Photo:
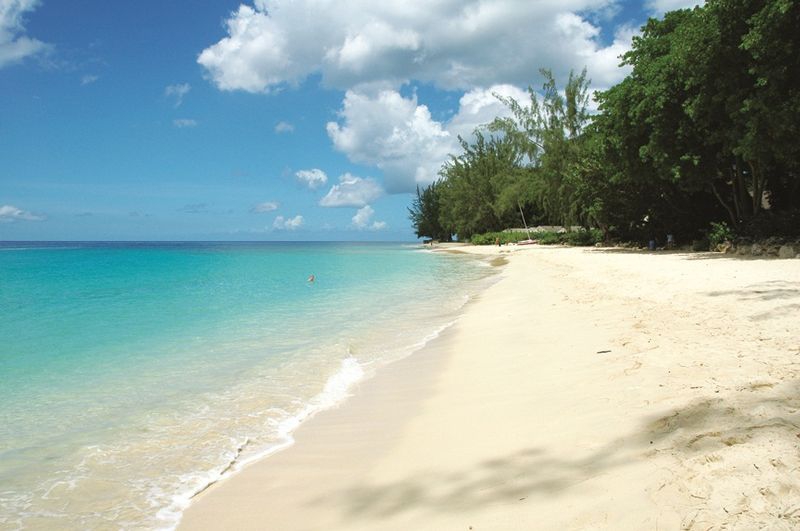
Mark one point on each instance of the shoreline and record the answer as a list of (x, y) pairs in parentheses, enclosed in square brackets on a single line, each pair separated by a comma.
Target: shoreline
[(344, 386), (581, 390)]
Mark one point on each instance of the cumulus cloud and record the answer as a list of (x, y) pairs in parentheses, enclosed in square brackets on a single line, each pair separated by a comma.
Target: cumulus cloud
[(14, 44), (284, 127), (452, 44), (659, 7), (479, 106), (282, 223), (178, 92), (313, 178), (399, 136), (266, 206), (370, 49), (395, 134), (180, 123), (352, 191), (9, 213), (363, 217)]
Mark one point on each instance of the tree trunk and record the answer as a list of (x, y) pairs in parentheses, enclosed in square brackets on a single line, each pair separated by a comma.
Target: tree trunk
[(735, 192), (744, 194), (723, 203), (758, 186)]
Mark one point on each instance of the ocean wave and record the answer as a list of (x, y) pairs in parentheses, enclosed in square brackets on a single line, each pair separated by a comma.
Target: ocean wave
[(337, 389)]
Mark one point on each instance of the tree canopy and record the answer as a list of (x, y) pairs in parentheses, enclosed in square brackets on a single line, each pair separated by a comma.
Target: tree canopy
[(703, 129)]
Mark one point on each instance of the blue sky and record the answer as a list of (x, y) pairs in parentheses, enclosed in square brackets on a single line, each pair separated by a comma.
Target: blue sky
[(272, 120)]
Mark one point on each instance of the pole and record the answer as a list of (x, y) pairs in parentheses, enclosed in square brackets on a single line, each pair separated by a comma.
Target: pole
[(523, 220)]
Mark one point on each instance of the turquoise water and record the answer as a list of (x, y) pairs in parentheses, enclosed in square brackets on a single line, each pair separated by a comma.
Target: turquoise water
[(133, 375)]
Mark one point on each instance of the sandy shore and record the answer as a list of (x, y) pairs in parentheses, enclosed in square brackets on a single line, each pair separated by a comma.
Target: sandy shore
[(587, 389)]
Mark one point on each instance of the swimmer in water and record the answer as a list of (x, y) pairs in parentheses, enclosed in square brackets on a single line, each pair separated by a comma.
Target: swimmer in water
[(312, 278)]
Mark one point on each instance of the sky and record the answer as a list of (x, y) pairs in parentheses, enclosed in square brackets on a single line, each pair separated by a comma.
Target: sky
[(269, 119)]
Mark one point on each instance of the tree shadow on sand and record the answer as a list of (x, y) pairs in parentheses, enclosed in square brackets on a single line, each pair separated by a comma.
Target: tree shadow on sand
[(688, 255), (773, 290), (705, 425)]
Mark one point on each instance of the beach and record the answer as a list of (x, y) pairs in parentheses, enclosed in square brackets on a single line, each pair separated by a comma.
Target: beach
[(585, 389)]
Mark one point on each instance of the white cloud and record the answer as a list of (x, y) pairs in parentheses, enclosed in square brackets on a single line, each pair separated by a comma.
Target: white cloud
[(282, 223), (480, 106), (9, 213), (393, 133), (14, 44), (399, 136), (453, 44), (352, 191), (284, 127), (313, 178), (184, 122), (88, 79), (659, 7), (372, 48), (178, 92), (266, 206), (363, 217)]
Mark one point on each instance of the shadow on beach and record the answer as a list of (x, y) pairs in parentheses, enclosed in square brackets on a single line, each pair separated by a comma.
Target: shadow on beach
[(762, 416), (773, 290), (689, 255)]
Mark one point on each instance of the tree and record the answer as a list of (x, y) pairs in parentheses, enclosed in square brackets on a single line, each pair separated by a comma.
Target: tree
[(773, 49), (478, 187), (719, 105), (549, 133), (424, 214), (704, 128)]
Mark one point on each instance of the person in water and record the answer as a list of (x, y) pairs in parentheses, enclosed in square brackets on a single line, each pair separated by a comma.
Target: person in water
[(312, 278)]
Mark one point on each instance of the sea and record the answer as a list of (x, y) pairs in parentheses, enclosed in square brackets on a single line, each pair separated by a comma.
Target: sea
[(134, 375)]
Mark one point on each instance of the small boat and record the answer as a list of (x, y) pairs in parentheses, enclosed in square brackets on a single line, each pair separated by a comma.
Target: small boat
[(529, 241)]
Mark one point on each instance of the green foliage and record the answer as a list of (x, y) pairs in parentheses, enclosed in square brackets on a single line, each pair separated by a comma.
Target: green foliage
[(549, 238), (583, 237), (713, 103), (490, 238), (425, 214), (480, 187), (704, 128), (578, 238), (549, 131), (720, 233), (785, 224)]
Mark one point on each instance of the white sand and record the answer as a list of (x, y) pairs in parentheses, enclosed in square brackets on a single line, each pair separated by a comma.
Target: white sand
[(518, 418)]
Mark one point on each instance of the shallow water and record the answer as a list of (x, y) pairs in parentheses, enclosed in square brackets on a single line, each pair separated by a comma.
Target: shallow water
[(133, 375)]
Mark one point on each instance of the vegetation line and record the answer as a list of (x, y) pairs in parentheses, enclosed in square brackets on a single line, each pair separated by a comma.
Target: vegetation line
[(699, 141)]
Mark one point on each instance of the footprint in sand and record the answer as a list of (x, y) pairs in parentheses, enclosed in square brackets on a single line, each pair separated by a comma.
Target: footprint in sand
[(636, 366)]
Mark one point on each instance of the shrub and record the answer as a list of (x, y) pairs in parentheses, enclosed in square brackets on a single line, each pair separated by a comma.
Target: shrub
[(767, 224), (490, 238), (583, 237), (578, 237), (701, 245), (549, 238), (719, 233)]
